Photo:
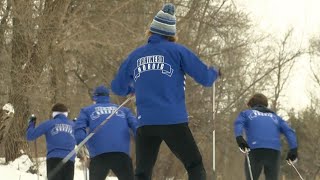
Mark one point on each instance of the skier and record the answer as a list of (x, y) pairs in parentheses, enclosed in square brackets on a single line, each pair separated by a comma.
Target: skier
[(109, 148), (156, 72), (60, 141), (263, 128)]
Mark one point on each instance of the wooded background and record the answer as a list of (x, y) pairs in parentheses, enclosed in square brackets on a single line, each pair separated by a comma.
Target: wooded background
[(59, 50)]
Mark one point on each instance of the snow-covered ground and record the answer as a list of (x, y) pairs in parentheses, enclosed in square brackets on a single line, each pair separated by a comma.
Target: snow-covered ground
[(18, 170)]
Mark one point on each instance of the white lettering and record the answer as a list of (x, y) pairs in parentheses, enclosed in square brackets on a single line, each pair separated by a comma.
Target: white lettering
[(161, 67), (62, 128), (149, 63)]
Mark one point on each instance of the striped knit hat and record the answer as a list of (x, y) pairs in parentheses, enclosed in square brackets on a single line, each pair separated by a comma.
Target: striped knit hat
[(164, 22)]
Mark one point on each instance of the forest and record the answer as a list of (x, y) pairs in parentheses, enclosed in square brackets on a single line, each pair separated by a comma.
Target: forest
[(60, 50)]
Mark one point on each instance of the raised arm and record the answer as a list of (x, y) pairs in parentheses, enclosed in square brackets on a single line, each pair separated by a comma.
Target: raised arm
[(33, 133), (195, 68)]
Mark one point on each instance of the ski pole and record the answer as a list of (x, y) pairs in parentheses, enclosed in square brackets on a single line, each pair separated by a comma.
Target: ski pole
[(84, 163), (84, 170), (82, 143), (291, 164), (36, 154), (36, 157), (249, 164)]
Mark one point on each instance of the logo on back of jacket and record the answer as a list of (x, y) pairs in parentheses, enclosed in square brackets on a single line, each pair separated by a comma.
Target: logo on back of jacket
[(256, 113), (152, 63), (62, 128), (98, 111)]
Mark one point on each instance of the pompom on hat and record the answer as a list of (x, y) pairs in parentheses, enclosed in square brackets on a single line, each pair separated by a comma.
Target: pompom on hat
[(164, 23)]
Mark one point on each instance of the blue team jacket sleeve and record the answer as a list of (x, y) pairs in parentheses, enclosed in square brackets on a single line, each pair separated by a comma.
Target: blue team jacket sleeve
[(132, 121), (33, 133), (195, 68), (288, 133), (239, 124), (81, 124), (121, 85)]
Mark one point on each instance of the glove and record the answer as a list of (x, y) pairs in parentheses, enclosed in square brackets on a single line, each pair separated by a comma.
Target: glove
[(243, 145), (32, 119), (218, 70), (292, 155)]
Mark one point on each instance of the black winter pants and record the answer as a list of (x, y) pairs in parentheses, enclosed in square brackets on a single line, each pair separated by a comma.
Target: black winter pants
[(120, 163), (179, 139), (65, 173), (268, 159)]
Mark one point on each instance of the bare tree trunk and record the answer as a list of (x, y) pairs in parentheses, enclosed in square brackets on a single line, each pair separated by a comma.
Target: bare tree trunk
[(58, 78), (4, 54), (31, 49), (18, 97)]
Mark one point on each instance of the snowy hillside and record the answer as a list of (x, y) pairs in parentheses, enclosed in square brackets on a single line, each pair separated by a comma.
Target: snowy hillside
[(18, 170)]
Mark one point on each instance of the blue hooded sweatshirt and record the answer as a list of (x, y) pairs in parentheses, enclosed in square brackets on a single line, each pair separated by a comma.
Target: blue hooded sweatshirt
[(263, 129), (114, 136), (59, 133), (156, 73)]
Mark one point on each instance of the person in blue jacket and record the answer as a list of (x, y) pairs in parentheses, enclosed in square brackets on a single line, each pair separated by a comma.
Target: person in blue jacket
[(109, 147), (156, 74), (263, 128), (59, 133)]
